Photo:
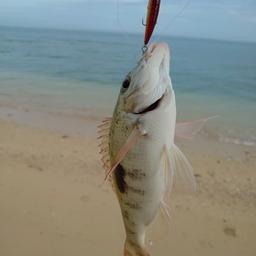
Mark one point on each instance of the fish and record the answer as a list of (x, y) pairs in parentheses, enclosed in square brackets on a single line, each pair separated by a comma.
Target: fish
[(138, 151), (152, 14)]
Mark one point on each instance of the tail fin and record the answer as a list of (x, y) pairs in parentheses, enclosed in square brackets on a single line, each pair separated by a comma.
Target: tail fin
[(131, 249)]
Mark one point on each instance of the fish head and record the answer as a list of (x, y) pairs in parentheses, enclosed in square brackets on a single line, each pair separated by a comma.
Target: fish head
[(144, 87)]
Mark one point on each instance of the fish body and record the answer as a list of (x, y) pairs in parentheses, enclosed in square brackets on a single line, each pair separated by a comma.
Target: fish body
[(138, 148)]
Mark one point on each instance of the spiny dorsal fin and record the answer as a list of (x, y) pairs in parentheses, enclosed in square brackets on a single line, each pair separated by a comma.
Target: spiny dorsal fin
[(136, 133), (104, 145), (104, 136), (188, 130)]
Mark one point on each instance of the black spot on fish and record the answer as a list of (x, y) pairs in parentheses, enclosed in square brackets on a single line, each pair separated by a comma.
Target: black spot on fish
[(134, 245), (137, 191), (136, 174), (130, 231), (119, 176), (126, 215), (133, 205)]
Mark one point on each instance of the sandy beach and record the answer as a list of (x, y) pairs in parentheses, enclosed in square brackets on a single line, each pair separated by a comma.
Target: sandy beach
[(52, 202)]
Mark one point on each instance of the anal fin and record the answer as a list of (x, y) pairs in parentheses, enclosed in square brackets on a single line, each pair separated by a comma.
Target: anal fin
[(161, 223)]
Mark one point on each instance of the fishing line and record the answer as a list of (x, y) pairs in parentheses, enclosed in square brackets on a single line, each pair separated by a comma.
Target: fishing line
[(173, 19), (145, 49), (117, 14)]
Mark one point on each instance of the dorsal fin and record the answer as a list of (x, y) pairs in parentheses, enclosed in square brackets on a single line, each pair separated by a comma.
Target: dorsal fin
[(104, 146), (104, 136), (136, 133)]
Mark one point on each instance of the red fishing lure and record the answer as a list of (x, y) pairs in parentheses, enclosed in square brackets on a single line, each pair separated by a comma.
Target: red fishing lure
[(152, 14)]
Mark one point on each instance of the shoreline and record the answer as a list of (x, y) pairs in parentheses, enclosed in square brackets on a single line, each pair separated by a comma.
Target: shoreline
[(52, 202), (86, 123), (56, 88)]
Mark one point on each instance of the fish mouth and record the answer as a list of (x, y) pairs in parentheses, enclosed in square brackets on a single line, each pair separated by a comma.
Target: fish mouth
[(152, 107)]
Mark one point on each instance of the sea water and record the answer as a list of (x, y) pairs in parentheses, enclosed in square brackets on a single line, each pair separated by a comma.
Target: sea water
[(75, 72)]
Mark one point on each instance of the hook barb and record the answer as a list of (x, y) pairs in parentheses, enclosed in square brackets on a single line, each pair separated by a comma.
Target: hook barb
[(143, 23)]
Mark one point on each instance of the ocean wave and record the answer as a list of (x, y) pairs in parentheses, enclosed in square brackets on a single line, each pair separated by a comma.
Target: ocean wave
[(238, 141)]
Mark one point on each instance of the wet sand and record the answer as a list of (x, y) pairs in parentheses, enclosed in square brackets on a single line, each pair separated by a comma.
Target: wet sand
[(51, 201)]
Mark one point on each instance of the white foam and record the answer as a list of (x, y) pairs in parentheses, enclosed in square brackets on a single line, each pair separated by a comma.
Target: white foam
[(238, 141)]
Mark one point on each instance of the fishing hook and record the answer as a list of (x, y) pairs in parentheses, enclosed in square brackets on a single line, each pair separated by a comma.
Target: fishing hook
[(144, 49), (144, 24)]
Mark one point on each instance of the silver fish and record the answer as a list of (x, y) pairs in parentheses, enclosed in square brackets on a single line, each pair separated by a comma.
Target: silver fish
[(138, 148)]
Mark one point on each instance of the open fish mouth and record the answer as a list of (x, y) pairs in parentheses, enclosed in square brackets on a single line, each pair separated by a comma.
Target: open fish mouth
[(151, 107)]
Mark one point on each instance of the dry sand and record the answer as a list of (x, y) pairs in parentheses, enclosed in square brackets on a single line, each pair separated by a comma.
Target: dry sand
[(51, 202)]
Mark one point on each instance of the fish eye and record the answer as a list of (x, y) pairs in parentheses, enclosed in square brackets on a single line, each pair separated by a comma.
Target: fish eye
[(126, 83)]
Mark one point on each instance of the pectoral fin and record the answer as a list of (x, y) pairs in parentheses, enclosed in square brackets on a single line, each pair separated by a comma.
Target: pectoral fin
[(188, 130), (136, 133)]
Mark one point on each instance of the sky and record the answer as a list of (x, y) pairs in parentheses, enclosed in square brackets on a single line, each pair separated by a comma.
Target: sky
[(213, 19)]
